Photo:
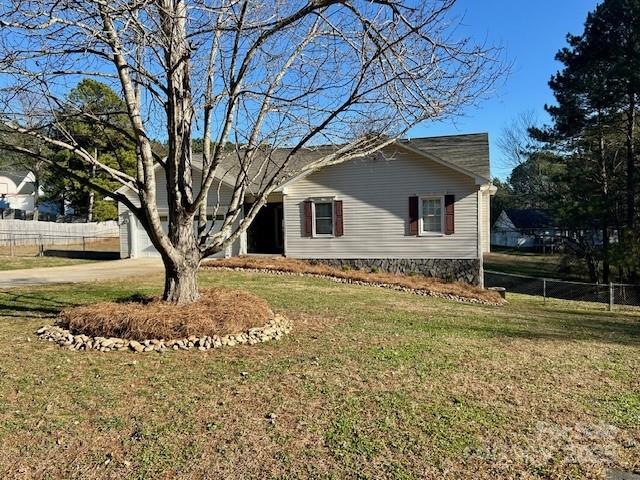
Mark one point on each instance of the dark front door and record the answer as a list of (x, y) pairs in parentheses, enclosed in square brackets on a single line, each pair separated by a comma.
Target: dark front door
[(265, 234)]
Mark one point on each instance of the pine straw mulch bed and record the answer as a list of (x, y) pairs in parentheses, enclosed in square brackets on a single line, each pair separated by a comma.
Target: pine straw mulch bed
[(418, 284), (219, 312)]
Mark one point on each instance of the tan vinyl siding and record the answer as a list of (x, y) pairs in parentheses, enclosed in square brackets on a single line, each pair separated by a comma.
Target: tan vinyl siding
[(375, 195), (221, 197)]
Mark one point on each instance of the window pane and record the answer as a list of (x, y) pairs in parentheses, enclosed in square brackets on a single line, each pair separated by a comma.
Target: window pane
[(431, 215), (324, 218), (432, 224), (324, 210), (324, 226)]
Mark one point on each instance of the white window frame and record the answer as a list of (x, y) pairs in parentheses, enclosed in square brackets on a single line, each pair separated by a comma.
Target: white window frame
[(421, 231), (313, 217)]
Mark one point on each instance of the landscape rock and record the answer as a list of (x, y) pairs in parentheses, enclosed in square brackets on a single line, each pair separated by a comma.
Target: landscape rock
[(277, 327), (400, 288)]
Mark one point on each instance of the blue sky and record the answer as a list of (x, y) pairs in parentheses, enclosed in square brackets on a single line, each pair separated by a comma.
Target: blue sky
[(531, 32)]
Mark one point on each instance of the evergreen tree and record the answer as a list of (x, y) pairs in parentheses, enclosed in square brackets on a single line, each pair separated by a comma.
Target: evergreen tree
[(102, 127), (594, 122)]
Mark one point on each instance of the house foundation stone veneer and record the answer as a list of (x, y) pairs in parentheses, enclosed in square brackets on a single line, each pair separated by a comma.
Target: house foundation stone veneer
[(449, 270)]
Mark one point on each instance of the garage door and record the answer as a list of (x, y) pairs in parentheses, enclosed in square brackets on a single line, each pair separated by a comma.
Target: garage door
[(146, 249)]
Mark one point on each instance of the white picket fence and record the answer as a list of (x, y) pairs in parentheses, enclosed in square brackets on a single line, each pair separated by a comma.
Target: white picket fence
[(26, 232)]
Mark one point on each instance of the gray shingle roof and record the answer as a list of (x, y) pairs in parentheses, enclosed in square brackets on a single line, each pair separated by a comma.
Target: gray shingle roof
[(529, 217), (17, 176), (469, 152)]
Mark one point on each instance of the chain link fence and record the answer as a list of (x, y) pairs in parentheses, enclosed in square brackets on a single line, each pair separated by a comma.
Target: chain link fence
[(611, 294)]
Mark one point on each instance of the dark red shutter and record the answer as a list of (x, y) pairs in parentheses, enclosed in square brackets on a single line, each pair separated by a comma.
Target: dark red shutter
[(337, 207), (413, 215), (308, 219), (449, 223)]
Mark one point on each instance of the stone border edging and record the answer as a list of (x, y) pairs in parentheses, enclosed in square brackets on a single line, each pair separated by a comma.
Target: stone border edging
[(391, 286), (274, 329)]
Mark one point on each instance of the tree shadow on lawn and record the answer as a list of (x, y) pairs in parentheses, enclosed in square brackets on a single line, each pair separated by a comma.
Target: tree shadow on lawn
[(30, 305), (47, 302)]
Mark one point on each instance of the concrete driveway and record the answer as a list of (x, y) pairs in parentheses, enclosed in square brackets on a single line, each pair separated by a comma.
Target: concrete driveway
[(109, 270)]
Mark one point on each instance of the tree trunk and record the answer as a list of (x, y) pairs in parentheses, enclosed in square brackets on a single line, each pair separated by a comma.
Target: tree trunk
[(36, 200), (92, 193), (605, 254), (631, 158), (181, 283), (92, 197)]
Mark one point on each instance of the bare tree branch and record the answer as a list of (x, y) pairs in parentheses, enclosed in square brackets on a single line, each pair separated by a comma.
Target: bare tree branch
[(261, 82)]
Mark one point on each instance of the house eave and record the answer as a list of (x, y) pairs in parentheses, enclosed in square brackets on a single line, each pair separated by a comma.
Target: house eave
[(479, 179)]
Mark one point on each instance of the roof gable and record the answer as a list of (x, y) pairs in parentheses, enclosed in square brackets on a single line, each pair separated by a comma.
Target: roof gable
[(529, 218), (23, 181), (468, 154)]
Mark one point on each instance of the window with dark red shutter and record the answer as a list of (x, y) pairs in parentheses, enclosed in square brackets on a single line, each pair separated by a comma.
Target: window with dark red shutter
[(449, 220), (308, 219), (413, 215), (337, 206)]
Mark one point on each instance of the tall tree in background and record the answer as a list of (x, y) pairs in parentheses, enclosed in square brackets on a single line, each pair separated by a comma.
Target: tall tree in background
[(611, 41), (534, 169), (515, 141), (594, 121), (255, 77), (110, 143), (108, 140)]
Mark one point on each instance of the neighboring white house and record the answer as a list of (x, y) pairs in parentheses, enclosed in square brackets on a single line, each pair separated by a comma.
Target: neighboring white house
[(536, 229), (421, 206), (16, 191), (527, 228)]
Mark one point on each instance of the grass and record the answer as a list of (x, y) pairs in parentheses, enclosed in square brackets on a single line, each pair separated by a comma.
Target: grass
[(19, 263), (371, 383), (535, 265), (24, 257)]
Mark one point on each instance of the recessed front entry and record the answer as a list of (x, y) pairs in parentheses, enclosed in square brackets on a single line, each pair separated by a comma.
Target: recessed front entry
[(265, 234)]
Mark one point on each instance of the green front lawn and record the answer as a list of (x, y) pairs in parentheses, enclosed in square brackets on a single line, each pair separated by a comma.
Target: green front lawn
[(372, 383), (18, 263), (536, 265)]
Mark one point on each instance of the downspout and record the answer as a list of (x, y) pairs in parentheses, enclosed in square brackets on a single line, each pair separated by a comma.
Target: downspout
[(133, 234), (479, 237), (284, 222)]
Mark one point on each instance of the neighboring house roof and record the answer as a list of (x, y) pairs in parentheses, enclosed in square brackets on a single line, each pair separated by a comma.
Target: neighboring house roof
[(22, 180), (529, 218)]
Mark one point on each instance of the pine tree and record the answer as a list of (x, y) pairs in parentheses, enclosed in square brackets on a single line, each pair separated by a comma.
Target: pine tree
[(594, 121)]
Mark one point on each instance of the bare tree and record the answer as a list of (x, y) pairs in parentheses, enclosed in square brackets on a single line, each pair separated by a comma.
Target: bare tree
[(18, 162), (515, 142), (253, 78)]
